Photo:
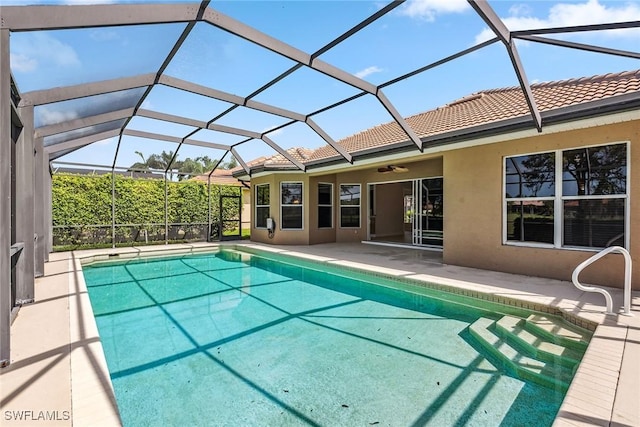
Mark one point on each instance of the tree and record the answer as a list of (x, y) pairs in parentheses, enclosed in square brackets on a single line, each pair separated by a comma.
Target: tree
[(187, 168), (597, 170), (232, 163), (165, 158), (207, 162), (154, 161), (538, 175), (143, 165)]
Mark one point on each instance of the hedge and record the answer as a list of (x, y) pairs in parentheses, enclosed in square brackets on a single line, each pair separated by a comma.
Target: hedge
[(82, 211)]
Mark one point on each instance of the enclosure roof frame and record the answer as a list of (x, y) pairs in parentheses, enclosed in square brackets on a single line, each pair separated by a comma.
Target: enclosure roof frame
[(56, 17)]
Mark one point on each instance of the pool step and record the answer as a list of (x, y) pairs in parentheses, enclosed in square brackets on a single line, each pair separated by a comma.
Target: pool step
[(559, 332), (523, 353), (233, 255), (513, 330)]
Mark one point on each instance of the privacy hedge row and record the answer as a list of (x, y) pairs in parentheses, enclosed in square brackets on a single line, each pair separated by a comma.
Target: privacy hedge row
[(82, 209)]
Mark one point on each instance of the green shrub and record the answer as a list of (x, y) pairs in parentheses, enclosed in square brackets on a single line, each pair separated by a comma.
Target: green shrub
[(82, 211)]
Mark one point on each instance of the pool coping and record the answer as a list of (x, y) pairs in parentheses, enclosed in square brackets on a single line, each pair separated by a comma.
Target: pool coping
[(604, 391)]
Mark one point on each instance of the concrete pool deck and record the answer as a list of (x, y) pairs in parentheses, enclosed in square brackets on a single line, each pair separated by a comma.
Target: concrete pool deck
[(58, 375)]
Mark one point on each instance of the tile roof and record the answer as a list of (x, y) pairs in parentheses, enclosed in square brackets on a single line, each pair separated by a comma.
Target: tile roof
[(298, 153), (220, 177), (481, 108)]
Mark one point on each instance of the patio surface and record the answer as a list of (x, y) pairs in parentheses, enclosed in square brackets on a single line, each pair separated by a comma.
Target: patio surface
[(58, 375)]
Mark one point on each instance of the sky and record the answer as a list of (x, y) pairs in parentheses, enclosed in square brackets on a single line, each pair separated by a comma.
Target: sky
[(413, 35)]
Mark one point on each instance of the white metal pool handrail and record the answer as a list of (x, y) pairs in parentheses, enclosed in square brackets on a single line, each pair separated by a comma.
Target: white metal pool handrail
[(607, 295)]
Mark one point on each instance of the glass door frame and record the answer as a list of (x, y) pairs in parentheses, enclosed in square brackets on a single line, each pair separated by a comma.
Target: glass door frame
[(417, 230), (421, 211)]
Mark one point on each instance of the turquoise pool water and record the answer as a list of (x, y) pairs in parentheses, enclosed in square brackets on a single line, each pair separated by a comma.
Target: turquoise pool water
[(211, 340)]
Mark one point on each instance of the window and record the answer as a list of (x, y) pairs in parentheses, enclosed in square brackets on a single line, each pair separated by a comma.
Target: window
[(530, 192), (349, 205), (291, 205), (262, 205), (594, 196), (325, 205), (570, 198)]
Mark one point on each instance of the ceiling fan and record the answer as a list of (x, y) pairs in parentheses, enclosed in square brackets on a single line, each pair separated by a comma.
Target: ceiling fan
[(393, 168)]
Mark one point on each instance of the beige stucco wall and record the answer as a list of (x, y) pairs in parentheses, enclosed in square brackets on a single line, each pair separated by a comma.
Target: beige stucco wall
[(473, 209), (282, 237)]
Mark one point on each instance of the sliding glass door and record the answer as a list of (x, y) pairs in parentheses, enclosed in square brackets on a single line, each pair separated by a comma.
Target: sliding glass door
[(427, 212)]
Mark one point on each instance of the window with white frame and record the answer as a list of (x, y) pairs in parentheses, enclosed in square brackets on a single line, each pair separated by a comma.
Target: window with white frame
[(291, 205), (350, 205), (568, 198), (325, 205), (262, 205), (530, 194)]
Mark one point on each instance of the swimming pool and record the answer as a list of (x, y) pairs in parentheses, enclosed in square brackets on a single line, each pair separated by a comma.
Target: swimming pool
[(236, 339)]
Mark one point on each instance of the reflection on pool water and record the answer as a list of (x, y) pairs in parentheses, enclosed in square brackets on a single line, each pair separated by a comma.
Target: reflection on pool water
[(235, 339)]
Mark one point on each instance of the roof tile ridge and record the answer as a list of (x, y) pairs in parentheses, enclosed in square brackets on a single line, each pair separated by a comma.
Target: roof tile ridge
[(378, 126), (301, 152), (319, 150), (501, 89), (598, 78), (477, 95), (468, 98)]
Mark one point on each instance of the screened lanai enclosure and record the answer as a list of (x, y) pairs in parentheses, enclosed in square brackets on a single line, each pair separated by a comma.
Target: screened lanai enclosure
[(205, 86)]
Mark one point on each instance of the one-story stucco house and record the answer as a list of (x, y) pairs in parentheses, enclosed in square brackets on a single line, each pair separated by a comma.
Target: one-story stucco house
[(486, 187)]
